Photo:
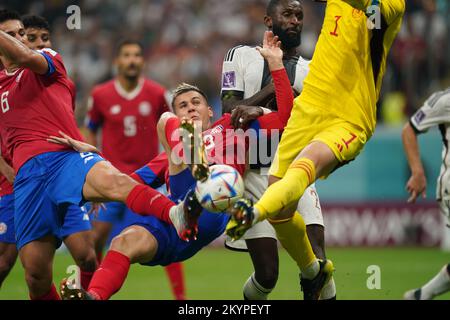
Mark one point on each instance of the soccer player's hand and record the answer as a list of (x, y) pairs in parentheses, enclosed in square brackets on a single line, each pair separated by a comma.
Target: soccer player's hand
[(271, 51), (416, 185), (78, 146), (243, 115)]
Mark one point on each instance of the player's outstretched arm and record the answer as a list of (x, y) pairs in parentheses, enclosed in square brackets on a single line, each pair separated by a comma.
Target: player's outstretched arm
[(232, 99), (77, 145), (271, 51), (417, 183), (21, 55), (7, 171)]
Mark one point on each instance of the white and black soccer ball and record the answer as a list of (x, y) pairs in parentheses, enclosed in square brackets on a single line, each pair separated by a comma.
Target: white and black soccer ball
[(221, 190)]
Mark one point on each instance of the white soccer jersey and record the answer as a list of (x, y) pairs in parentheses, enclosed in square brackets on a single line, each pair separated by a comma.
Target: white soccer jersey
[(436, 112), (245, 70)]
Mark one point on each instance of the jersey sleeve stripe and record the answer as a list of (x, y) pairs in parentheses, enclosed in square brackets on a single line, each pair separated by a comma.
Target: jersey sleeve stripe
[(51, 65), (230, 55)]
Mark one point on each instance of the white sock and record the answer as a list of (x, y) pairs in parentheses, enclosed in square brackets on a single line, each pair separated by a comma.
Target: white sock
[(329, 290), (254, 291), (311, 271), (436, 286)]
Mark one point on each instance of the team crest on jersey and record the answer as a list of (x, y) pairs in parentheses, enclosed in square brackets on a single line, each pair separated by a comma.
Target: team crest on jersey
[(145, 108), (115, 109), (3, 228), (229, 79), (217, 129)]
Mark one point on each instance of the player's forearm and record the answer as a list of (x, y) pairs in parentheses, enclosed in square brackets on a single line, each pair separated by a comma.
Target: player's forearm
[(411, 147), (6, 170), (283, 94), (258, 99), (21, 55)]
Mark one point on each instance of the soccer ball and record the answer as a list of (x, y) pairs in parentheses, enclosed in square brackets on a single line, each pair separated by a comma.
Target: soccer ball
[(221, 190)]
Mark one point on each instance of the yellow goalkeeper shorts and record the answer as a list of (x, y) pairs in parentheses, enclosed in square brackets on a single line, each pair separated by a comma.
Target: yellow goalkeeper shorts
[(308, 124)]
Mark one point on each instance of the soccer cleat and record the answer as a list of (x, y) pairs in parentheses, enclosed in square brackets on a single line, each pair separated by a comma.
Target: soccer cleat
[(312, 289), (193, 146), (184, 217), (242, 218), (414, 294), (69, 292)]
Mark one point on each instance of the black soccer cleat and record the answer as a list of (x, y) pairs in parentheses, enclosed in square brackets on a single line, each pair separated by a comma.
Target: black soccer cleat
[(312, 289), (242, 218)]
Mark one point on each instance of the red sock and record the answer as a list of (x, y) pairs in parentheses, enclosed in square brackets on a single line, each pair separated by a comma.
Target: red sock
[(51, 295), (172, 133), (85, 278), (110, 276), (147, 201), (175, 273)]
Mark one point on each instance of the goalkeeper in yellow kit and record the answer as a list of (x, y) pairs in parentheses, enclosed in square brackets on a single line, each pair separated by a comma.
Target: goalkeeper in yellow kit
[(333, 117)]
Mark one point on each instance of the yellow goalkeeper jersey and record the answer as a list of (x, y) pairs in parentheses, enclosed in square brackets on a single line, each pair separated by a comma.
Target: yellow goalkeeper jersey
[(349, 61)]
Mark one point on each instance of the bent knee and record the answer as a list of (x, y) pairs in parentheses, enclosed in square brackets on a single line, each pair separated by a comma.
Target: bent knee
[(129, 240)]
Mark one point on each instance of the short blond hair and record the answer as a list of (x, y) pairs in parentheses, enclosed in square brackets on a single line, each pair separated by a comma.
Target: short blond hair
[(183, 88)]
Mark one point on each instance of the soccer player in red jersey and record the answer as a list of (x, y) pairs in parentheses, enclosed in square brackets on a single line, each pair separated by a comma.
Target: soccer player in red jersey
[(150, 241), (127, 109), (76, 232), (35, 103)]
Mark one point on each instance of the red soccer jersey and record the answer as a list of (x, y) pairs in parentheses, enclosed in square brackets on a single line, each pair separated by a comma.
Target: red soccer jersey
[(128, 121), (33, 107), (5, 186), (224, 145)]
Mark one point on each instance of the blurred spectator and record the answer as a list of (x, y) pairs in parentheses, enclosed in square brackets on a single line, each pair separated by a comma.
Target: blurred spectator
[(186, 40)]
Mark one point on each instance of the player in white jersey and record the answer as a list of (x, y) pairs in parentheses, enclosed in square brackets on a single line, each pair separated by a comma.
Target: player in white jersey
[(246, 88), (434, 112)]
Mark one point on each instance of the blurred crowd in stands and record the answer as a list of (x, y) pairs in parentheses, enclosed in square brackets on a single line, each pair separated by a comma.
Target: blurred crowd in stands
[(186, 40)]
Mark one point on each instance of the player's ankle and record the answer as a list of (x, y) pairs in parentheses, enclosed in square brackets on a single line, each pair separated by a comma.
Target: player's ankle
[(311, 271)]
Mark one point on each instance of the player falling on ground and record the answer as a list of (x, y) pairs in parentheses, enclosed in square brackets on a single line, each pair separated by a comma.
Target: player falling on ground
[(152, 242), (335, 114), (434, 112), (247, 85), (36, 102), (76, 227), (127, 109)]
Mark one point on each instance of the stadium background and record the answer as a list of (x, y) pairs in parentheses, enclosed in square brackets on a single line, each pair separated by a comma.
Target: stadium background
[(368, 220)]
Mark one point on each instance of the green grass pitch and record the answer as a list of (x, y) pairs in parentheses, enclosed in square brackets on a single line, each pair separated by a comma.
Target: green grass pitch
[(220, 274)]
